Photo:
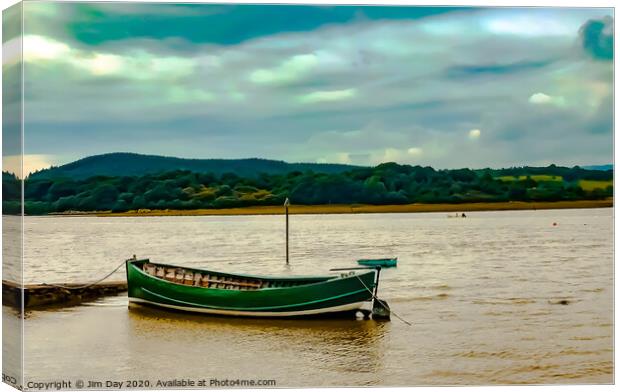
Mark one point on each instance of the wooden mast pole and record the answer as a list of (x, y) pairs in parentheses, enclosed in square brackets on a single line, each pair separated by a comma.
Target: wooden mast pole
[(286, 204)]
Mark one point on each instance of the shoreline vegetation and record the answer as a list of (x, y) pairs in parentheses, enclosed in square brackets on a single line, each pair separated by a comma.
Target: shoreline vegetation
[(259, 187), (356, 209)]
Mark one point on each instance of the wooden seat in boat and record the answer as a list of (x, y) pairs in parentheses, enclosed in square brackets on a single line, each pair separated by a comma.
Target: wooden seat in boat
[(170, 274), (149, 268), (189, 278)]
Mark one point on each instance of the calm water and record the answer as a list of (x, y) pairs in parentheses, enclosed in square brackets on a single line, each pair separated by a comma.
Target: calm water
[(482, 294)]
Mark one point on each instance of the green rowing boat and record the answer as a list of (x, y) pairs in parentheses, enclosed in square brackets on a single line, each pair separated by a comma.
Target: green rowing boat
[(388, 262), (204, 291)]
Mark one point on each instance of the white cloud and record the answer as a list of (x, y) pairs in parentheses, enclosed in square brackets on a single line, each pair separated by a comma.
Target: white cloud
[(138, 65), (290, 70), (391, 154), (415, 151), (528, 26), (37, 47), (541, 22), (544, 99), (474, 134), (540, 98), (328, 96), (343, 157), (100, 64)]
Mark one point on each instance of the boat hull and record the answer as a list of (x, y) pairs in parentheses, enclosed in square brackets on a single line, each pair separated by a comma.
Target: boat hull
[(323, 295), (378, 262)]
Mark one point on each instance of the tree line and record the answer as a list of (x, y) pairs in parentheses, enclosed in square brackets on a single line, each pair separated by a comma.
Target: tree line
[(388, 183)]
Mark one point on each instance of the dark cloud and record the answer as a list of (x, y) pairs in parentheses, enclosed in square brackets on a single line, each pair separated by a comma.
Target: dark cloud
[(460, 71), (172, 83), (597, 38), (221, 24), (602, 121)]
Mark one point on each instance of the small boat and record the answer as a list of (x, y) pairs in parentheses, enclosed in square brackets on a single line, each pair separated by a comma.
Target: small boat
[(386, 262), (205, 291)]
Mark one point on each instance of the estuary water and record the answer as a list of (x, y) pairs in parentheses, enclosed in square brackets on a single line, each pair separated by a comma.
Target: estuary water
[(494, 298)]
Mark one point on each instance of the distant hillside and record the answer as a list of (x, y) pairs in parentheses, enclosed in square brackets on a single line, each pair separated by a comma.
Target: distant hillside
[(130, 164), (199, 187), (599, 167)]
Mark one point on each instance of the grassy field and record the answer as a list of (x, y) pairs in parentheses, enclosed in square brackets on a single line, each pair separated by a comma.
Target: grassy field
[(365, 209), (536, 177), (586, 185), (590, 185)]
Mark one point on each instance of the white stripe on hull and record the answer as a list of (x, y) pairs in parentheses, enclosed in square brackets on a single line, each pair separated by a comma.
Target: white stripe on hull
[(340, 308)]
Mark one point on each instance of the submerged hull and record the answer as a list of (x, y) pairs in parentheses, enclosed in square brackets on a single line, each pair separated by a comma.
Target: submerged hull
[(274, 297)]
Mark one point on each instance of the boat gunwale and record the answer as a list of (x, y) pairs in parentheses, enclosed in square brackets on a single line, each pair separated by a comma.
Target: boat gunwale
[(326, 278)]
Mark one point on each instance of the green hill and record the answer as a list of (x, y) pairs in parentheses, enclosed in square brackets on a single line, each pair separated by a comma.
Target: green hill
[(196, 184), (130, 164)]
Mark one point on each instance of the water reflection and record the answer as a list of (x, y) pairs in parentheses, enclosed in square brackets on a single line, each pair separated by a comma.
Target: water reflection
[(343, 345)]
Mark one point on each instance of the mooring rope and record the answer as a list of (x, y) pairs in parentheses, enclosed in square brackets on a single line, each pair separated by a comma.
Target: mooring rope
[(381, 302), (87, 285)]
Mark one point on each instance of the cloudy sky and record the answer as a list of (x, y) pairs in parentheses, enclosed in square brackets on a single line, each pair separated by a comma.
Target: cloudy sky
[(446, 87)]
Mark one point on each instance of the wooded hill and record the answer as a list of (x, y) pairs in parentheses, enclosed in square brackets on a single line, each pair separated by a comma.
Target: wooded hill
[(388, 183), (130, 164)]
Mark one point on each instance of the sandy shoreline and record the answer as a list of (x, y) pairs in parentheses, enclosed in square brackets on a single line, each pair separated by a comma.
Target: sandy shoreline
[(360, 209)]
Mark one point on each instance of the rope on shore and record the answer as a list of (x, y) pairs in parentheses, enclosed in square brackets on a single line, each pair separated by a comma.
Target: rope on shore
[(382, 303), (87, 285)]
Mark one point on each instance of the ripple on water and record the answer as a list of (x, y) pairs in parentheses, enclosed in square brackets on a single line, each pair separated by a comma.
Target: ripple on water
[(478, 291), (584, 371), (504, 354), (440, 296), (594, 290), (504, 301)]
